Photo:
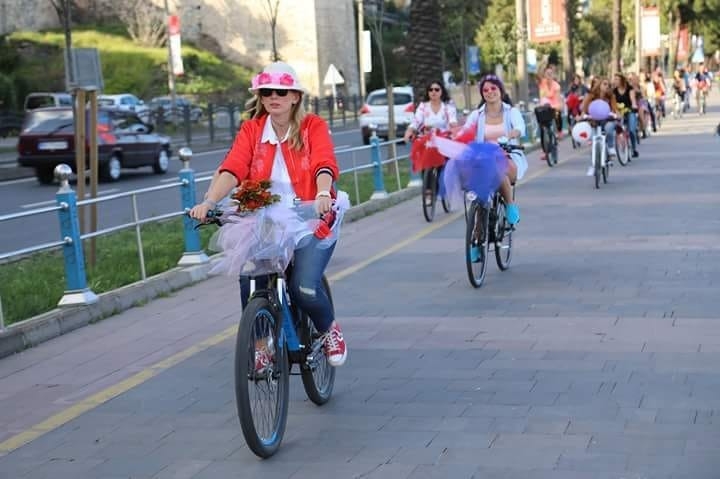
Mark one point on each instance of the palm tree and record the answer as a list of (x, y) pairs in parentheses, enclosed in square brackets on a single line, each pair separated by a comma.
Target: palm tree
[(423, 48), (616, 21)]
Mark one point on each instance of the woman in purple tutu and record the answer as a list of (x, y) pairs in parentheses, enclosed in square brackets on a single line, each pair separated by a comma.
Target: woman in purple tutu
[(496, 118)]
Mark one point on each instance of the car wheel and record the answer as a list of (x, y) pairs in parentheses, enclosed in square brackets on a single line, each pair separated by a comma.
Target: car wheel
[(45, 176), (162, 162), (111, 169)]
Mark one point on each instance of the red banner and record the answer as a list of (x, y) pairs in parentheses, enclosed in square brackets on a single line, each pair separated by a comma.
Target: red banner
[(546, 21), (174, 25), (683, 43)]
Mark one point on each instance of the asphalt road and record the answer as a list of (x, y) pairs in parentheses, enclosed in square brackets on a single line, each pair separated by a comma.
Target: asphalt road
[(26, 194)]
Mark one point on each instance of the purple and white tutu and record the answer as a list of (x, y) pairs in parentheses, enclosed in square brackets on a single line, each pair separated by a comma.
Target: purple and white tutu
[(477, 168), (263, 242)]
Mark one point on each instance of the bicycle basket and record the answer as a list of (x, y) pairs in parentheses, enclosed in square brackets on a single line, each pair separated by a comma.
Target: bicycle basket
[(545, 114)]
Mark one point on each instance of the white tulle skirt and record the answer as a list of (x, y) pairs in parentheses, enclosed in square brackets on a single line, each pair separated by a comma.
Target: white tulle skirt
[(263, 242)]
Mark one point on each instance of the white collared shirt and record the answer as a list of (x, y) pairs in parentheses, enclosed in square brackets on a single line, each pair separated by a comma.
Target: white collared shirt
[(279, 176)]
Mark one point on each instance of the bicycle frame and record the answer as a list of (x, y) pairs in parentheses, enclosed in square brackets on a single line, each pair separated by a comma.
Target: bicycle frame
[(279, 299), (599, 135)]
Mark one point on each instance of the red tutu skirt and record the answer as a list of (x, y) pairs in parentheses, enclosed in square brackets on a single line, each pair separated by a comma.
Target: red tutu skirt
[(423, 156)]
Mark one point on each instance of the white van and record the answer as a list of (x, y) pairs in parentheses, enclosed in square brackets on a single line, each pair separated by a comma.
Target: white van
[(44, 100)]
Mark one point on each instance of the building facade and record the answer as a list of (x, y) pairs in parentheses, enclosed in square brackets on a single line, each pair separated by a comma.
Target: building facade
[(310, 34)]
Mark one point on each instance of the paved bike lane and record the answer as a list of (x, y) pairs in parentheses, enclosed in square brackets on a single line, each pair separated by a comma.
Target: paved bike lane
[(595, 355)]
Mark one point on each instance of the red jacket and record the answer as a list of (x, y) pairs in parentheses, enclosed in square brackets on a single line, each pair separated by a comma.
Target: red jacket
[(248, 158)]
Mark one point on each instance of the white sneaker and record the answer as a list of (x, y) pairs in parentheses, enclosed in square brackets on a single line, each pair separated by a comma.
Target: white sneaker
[(612, 152), (590, 171)]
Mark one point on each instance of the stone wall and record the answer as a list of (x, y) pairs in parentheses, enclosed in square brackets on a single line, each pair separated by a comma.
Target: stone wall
[(310, 35)]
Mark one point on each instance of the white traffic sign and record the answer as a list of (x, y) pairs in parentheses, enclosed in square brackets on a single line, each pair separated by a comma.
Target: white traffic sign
[(333, 76)]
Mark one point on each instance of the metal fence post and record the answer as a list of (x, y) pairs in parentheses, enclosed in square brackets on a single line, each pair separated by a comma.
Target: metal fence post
[(211, 122), (193, 249), (76, 292), (377, 168)]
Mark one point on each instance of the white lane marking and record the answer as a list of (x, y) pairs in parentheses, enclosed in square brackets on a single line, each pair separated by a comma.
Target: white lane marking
[(197, 174), (15, 182), (52, 202)]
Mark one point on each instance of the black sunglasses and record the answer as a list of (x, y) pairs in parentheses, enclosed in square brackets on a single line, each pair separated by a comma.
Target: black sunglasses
[(269, 91), (434, 88)]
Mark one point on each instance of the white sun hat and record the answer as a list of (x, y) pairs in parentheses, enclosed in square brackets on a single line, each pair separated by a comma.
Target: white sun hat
[(278, 76)]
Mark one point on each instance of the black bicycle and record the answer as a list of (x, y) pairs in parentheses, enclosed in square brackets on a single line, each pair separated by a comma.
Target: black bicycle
[(431, 186), (486, 223), (545, 115)]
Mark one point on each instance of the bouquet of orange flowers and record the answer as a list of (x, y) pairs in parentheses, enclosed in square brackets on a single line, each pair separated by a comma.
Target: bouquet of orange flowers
[(252, 195)]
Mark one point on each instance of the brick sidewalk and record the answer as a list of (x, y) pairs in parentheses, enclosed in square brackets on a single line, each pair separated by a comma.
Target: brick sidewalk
[(594, 356)]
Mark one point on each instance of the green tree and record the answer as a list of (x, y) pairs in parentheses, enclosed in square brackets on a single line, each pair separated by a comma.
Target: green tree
[(497, 35), (459, 20)]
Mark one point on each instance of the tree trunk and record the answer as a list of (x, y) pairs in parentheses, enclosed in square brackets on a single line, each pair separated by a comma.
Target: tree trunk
[(568, 47), (423, 50), (616, 19)]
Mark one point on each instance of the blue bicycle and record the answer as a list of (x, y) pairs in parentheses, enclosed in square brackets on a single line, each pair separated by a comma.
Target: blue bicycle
[(273, 335)]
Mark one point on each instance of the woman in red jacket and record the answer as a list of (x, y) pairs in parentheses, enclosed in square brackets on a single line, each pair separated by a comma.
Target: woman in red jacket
[(291, 148)]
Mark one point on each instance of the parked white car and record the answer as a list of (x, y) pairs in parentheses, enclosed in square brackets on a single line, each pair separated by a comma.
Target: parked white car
[(375, 112), (126, 102)]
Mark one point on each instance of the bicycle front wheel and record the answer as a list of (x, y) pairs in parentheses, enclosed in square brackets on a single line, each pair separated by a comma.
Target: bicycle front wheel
[(597, 164), (429, 193), (622, 147), (476, 243), (262, 374), (318, 377), (503, 237)]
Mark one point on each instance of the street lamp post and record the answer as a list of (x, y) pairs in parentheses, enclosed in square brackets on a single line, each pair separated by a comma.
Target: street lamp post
[(171, 67)]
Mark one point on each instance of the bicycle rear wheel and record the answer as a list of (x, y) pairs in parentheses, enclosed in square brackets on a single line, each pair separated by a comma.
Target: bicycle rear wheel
[(318, 377), (429, 193), (546, 141), (261, 393), (476, 243)]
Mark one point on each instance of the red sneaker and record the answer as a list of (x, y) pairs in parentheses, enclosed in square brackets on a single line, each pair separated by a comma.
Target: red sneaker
[(263, 359), (334, 345)]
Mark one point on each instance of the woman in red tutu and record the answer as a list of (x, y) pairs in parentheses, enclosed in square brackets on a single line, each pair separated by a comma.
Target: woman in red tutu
[(435, 113)]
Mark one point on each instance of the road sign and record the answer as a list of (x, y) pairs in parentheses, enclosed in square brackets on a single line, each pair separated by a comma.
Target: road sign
[(333, 76)]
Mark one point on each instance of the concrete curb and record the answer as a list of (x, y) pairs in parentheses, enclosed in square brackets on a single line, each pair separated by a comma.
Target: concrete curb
[(33, 331)]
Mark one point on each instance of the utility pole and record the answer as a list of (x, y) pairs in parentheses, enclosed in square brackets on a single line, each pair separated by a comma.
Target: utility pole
[(68, 45), (361, 70), (638, 36), (521, 50), (171, 67)]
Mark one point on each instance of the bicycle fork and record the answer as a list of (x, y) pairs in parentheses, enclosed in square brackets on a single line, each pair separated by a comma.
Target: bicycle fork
[(599, 136)]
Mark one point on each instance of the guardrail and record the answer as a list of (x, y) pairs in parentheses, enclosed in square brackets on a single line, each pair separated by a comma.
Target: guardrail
[(67, 207)]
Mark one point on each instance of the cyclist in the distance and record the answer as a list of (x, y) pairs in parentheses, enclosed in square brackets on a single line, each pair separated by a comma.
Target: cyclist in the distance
[(702, 84), (602, 91)]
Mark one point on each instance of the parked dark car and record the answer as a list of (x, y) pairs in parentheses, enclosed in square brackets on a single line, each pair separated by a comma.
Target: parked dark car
[(47, 139), (162, 107)]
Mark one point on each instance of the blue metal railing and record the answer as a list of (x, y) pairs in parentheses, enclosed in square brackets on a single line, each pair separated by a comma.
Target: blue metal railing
[(67, 206)]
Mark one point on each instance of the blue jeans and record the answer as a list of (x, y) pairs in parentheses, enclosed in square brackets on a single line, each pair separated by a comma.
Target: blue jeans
[(610, 134), (631, 121), (305, 286)]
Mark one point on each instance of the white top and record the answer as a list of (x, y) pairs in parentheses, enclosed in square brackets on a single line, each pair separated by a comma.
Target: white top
[(425, 116), (279, 177)]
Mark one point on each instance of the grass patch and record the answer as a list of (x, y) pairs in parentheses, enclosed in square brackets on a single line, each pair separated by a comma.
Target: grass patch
[(35, 284), (366, 181), (129, 67)]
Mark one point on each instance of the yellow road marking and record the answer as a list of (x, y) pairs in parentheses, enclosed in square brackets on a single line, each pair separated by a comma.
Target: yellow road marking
[(101, 397)]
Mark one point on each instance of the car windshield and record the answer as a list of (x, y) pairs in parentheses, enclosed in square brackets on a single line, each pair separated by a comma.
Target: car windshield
[(40, 102), (380, 99), (45, 121), (56, 120)]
